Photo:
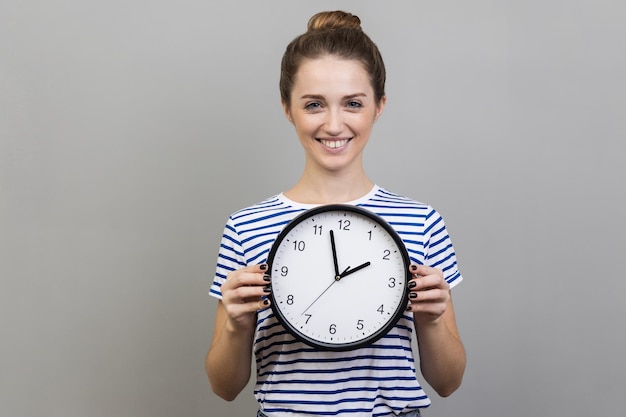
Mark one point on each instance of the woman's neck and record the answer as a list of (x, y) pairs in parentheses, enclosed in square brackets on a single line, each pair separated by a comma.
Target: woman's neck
[(329, 189)]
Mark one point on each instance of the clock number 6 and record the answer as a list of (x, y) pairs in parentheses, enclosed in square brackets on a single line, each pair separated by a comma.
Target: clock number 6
[(332, 329)]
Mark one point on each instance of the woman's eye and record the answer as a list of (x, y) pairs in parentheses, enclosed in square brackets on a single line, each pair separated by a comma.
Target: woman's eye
[(312, 106), (354, 104)]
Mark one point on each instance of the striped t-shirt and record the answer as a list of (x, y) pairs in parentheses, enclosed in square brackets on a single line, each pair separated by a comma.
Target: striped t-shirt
[(293, 378)]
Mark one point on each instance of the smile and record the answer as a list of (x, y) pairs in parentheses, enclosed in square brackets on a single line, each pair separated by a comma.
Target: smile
[(333, 144)]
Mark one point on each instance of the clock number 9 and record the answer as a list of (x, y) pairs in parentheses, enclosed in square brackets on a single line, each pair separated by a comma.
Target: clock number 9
[(284, 271)]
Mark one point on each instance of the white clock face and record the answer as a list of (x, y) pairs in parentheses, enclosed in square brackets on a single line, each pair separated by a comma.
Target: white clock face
[(339, 277)]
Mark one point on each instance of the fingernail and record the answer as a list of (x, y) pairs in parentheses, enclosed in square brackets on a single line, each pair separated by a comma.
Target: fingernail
[(408, 308), (413, 295), (267, 278), (266, 302), (267, 288), (263, 267), (412, 284), (413, 267)]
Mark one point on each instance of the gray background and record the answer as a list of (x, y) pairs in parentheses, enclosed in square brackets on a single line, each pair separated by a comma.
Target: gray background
[(130, 130)]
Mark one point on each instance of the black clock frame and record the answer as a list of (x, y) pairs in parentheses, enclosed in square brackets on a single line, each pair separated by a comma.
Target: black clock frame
[(405, 295)]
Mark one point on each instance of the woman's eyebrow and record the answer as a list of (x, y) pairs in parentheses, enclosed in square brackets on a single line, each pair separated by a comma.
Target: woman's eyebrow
[(355, 95), (321, 97), (313, 96)]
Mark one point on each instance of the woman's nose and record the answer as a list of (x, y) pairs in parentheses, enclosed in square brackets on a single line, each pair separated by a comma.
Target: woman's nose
[(334, 122)]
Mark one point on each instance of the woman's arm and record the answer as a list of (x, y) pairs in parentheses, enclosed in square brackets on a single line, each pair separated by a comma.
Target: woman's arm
[(442, 356), (229, 358)]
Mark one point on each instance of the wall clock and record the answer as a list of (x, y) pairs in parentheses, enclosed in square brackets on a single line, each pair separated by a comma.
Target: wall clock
[(339, 276)]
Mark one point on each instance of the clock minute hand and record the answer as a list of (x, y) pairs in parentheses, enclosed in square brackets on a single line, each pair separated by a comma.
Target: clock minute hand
[(334, 248), (357, 268)]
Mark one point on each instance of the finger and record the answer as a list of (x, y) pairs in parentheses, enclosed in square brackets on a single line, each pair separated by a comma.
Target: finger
[(249, 275), (255, 273), (246, 293), (430, 311), (428, 282), (427, 277), (434, 295), (263, 304), (422, 270), (252, 306)]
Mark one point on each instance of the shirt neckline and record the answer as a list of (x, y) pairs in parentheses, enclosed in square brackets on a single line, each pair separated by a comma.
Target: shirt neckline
[(356, 202)]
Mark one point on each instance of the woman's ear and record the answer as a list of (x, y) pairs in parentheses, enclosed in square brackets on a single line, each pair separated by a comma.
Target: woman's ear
[(286, 111), (380, 107)]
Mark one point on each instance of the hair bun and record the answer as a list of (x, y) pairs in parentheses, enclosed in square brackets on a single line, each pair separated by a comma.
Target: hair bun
[(334, 20)]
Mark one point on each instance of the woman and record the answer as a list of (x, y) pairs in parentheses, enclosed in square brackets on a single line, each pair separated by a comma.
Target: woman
[(332, 91)]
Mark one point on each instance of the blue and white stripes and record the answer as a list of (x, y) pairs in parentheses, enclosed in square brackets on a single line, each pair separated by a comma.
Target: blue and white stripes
[(378, 380)]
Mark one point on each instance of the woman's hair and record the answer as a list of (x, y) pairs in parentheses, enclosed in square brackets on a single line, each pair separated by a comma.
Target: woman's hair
[(338, 34)]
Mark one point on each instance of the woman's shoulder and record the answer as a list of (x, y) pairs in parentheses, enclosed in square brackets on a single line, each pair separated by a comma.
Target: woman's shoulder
[(268, 203), (274, 207), (393, 199)]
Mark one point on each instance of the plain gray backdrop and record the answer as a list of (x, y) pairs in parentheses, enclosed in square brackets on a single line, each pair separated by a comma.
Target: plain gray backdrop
[(130, 130)]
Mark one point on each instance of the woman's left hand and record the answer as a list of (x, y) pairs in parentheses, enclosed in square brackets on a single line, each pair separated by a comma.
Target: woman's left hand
[(429, 293)]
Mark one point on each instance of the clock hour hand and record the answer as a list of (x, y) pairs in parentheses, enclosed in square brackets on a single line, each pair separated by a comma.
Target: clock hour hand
[(350, 271)]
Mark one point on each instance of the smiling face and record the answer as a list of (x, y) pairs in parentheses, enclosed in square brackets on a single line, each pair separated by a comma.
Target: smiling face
[(333, 109)]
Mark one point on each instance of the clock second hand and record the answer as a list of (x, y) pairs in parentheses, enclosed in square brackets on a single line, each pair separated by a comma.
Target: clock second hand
[(337, 278)]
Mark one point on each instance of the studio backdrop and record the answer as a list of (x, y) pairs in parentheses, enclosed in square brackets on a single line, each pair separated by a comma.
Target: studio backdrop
[(130, 130)]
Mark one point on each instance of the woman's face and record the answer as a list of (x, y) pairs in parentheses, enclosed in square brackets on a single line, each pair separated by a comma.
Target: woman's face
[(333, 109)]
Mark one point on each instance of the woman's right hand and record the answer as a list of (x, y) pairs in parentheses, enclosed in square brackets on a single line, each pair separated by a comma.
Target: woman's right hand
[(229, 357), (243, 294)]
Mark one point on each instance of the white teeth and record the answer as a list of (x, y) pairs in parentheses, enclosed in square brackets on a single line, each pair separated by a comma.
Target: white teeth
[(333, 144)]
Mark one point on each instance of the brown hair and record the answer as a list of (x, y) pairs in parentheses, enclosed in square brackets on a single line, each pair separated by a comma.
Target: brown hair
[(334, 33)]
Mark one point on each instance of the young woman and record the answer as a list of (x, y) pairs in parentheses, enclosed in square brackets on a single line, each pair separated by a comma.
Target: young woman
[(332, 91)]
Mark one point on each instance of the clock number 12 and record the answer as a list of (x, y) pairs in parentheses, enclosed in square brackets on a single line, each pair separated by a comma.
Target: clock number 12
[(344, 224)]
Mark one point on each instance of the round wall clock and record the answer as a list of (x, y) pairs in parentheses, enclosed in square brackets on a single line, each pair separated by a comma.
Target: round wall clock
[(339, 277)]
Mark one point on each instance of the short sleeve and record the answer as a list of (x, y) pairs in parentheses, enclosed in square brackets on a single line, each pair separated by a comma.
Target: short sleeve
[(439, 250), (230, 258)]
